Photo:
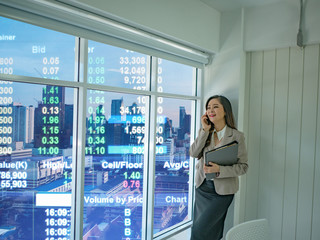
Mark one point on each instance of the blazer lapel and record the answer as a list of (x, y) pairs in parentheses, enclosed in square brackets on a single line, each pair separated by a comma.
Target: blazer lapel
[(227, 138)]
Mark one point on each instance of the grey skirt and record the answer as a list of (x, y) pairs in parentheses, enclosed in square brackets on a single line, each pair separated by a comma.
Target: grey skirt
[(210, 210)]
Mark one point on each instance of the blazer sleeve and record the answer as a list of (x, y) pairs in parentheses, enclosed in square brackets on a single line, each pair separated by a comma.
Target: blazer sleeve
[(198, 143), (239, 168)]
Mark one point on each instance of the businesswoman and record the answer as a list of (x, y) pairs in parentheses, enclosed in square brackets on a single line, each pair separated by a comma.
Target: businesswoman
[(213, 197)]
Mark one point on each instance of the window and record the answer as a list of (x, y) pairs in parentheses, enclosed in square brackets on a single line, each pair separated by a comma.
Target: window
[(175, 78), (36, 52), (42, 95), (112, 66), (172, 163), (36, 160), (114, 166)]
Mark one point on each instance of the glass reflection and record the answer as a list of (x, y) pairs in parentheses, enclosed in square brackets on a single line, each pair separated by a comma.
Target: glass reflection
[(114, 166), (175, 78), (118, 67), (172, 163), (33, 51), (35, 161)]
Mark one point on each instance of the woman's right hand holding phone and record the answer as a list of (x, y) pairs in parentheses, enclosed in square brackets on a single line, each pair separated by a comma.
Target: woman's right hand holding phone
[(205, 122)]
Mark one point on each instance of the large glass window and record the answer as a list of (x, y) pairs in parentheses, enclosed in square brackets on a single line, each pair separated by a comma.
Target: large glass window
[(175, 78), (32, 51), (117, 67), (35, 160), (172, 163), (40, 129), (114, 166)]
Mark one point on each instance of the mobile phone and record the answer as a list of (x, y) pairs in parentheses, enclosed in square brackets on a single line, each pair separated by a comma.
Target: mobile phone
[(207, 119)]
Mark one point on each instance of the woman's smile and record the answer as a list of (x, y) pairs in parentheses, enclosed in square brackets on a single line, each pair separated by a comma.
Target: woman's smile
[(215, 112)]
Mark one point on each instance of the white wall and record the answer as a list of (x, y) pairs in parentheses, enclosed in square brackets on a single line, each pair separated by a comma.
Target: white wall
[(283, 119), (257, 28), (287, 191), (187, 21), (276, 25), (222, 76), (284, 141)]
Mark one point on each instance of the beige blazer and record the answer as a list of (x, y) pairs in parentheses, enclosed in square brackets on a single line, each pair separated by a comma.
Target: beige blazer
[(227, 182)]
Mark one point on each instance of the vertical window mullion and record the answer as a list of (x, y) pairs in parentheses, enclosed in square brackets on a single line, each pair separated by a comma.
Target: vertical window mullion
[(152, 150), (194, 81), (147, 145), (196, 124), (195, 111), (75, 136), (78, 165)]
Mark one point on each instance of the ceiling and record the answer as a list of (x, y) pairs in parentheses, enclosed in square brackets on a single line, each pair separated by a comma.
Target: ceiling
[(229, 5)]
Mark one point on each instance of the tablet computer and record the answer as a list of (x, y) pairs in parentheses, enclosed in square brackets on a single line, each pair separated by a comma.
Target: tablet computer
[(225, 156)]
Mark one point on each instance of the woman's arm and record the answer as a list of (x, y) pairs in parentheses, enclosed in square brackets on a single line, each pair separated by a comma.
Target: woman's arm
[(201, 140), (199, 143), (239, 168)]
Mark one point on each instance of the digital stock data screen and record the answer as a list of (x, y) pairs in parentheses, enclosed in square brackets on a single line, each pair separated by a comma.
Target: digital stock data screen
[(35, 161), (36, 130), (37, 139)]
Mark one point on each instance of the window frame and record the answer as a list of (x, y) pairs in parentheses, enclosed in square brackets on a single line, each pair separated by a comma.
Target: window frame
[(81, 86)]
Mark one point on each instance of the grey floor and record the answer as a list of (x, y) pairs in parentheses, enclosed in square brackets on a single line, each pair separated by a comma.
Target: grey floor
[(185, 235)]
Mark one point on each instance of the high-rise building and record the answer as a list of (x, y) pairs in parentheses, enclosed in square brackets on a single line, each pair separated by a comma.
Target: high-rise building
[(30, 124), (67, 131), (19, 123), (116, 128), (116, 105), (182, 115), (184, 123)]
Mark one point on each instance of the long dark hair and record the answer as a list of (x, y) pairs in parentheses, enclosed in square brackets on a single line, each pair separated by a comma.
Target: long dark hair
[(229, 118)]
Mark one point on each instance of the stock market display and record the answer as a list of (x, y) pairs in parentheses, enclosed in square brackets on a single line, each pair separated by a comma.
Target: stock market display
[(38, 139)]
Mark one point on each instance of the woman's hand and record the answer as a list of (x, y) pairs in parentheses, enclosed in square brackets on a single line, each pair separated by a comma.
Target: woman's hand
[(213, 168), (205, 122)]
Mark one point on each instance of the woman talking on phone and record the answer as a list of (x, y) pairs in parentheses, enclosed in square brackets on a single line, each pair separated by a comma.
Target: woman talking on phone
[(214, 196)]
